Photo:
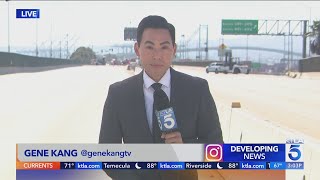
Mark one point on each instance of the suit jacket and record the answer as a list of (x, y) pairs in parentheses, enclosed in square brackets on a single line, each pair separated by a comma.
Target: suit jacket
[(124, 117)]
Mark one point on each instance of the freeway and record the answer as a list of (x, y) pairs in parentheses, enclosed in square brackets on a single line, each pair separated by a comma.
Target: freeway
[(291, 103), (65, 105)]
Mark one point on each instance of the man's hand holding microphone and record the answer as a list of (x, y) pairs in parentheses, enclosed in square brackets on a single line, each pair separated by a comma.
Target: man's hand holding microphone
[(165, 116)]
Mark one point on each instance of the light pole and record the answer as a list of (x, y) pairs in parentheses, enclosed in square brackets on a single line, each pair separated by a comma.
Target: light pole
[(37, 50), (8, 27), (67, 56), (182, 47), (247, 58), (310, 10), (199, 51)]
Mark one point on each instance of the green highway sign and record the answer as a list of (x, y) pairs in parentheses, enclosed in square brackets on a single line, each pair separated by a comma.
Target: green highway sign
[(239, 27)]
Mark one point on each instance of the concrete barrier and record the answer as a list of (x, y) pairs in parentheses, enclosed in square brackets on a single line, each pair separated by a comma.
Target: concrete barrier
[(192, 63), (13, 70), (246, 128), (310, 64), (18, 60)]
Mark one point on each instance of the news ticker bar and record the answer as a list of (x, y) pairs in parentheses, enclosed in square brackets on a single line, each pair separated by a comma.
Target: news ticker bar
[(160, 165)]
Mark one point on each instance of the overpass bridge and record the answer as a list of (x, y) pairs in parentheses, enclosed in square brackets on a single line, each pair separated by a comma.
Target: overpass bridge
[(127, 51), (239, 48)]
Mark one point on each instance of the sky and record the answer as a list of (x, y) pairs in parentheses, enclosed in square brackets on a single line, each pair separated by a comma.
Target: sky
[(102, 23)]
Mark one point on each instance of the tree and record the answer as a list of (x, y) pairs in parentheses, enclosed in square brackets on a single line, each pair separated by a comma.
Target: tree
[(315, 38), (83, 54)]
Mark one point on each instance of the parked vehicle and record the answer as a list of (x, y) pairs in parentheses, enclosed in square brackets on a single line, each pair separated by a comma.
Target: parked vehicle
[(132, 64), (221, 67), (230, 65)]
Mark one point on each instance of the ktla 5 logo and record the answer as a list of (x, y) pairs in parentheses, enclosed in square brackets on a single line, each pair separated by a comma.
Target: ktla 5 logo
[(214, 152), (294, 152)]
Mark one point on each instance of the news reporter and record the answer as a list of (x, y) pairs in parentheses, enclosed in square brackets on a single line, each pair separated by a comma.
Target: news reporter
[(129, 112)]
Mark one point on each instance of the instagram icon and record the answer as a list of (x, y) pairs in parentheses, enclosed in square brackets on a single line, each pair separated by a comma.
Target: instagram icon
[(214, 152)]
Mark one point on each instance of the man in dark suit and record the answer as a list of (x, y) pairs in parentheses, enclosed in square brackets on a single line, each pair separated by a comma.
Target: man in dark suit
[(128, 114)]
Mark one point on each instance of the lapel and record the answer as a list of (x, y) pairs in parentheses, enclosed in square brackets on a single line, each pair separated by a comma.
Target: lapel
[(140, 103), (175, 96)]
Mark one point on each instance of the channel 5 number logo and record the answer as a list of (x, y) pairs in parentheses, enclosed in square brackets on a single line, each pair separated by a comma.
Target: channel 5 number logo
[(294, 152), (214, 152)]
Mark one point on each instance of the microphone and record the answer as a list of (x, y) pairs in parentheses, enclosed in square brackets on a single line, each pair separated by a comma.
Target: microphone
[(164, 113)]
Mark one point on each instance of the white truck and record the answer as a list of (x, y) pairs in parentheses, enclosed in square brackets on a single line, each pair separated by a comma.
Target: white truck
[(222, 67), (229, 65)]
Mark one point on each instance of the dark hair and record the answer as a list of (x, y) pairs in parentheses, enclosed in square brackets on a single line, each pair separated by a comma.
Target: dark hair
[(157, 22)]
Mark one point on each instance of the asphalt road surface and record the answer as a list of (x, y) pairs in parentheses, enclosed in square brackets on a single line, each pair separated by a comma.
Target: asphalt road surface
[(291, 103), (65, 105)]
